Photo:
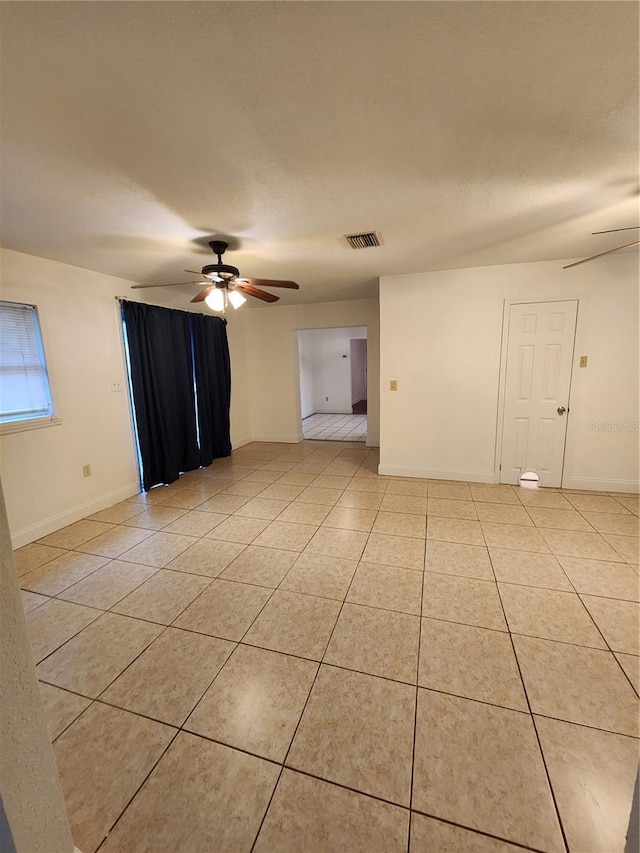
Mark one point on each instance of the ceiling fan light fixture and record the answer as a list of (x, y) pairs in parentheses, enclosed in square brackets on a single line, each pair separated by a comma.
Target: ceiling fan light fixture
[(215, 300), (236, 299)]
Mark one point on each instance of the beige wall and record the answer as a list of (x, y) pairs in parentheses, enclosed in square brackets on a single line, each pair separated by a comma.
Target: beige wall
[(272, 362), (441, 336)]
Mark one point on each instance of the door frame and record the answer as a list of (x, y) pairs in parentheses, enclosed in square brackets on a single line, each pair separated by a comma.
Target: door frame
[(502, 375)]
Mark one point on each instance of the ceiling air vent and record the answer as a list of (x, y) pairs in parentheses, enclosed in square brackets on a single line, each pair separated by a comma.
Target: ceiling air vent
[(363, 241)]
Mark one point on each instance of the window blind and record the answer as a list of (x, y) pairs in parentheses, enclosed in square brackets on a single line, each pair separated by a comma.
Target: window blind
[(24, 384)]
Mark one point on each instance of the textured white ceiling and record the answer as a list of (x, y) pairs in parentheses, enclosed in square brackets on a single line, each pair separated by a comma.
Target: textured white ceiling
[(467, 133)]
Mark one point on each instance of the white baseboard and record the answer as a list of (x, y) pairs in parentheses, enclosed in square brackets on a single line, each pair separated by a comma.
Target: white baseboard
[(55, 522), (332, 411), (593, 484), (434, 474)]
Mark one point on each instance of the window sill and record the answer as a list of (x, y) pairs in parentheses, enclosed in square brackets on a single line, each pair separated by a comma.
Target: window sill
[(31, 423)]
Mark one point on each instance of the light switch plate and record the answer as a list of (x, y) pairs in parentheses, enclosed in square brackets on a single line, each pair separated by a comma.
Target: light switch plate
[(583, 361), (393, 385)]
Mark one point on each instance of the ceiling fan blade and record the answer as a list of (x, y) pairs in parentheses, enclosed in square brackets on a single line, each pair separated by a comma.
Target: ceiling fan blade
[(172, 284), (602, 254), (612, 230), (204, 293), (259, 294), (270, 282)]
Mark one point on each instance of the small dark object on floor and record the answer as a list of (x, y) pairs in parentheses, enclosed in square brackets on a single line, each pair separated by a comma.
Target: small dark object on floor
[(359, 408)]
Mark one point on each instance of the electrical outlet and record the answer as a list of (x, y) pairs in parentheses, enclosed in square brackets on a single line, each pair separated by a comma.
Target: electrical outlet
[(326, 399), (116, 386), (583, 361), (393, 385), (86, 470)]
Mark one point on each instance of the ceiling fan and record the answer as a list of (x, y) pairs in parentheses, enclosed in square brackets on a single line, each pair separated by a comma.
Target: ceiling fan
[(224, 285), (611, 251)]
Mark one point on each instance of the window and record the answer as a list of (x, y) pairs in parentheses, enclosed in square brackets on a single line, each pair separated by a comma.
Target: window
[(25, 395)]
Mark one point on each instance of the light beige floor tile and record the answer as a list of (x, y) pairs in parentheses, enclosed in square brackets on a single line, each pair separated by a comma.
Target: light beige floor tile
[(108, 585), (595, 503), (404, 503), (400, 524), (115, 542), (400, 551), (406, 486), (573, 543), (361, 500), (186, 499), (255, 702), (237, 529), (117, 513), (286, 535), (529, 569), (31, 600), (331, 542), (295, 624), (155, 517), (592, 774), (543, 499), (311, 815), (577, 684), (514, 538), (244, 489), (379, 485), (61, 573), (278, 465), (262, 508), (550, 614), (387, 587), (281, 492), (155, 496), (494, 493), (106, 753), (449, 490), (222, 792), (596, 577), (296, 478), (32, 556), (224, 504), (350, 518), (54, 623), (260, 475), (444, 508), (631, 666), (324, 497), (630, 502), (559, 519), (429, 835), (90, 661), (61, 707), (453, 558), (163, 597), (158, 550), (169, 678), (357, 730), (331, 481), (465, 600), (457, 530), (304, 513), (627, 546), (619, 622), (328, 577), (471, 662), (480, 765), (503, 513), (75, 534), (379, 642), (260, 566), (226, 609), (195, 523), (206, 557)]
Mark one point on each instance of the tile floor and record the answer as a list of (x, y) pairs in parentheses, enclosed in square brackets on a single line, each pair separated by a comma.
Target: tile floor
[(262, 657), (335, 427)]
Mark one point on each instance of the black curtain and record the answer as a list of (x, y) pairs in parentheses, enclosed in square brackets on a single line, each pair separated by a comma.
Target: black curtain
[(213, 385), (161, 363)]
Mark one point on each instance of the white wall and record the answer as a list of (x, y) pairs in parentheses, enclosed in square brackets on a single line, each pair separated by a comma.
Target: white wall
[(272, 354), (41, 469), (325, 365), (305, 371), (441, 338)]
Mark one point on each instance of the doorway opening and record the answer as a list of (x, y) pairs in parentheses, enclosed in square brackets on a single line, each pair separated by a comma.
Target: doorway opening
[(332, 365)]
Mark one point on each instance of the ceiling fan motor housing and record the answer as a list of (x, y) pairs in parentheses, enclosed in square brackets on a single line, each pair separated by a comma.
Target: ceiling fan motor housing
[(225, 271)]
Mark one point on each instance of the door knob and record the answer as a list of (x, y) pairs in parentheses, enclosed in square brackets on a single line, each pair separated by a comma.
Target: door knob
[(561, 410)]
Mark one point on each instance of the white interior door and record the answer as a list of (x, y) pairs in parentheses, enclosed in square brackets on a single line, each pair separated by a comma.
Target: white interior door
[(536, 403)]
